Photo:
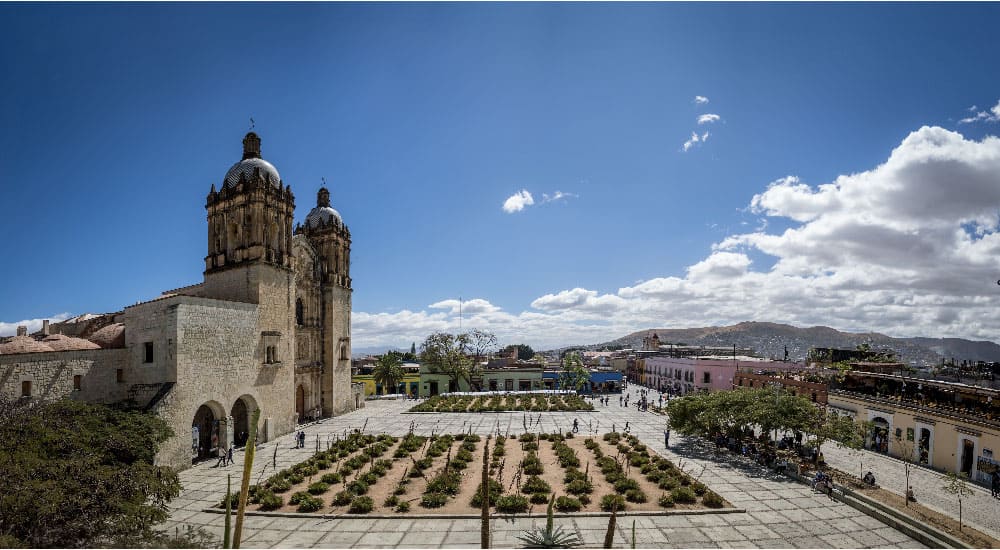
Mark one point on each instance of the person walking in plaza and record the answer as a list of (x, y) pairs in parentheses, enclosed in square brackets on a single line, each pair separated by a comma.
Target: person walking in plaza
[(229, 455), (221, 453), (576, 426), (666, 438), (995, 483)]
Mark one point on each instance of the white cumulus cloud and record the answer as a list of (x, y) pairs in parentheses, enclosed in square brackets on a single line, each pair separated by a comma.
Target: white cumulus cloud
[(557, 196), (700, 99), (517, 201), (910, 247), (708, 118)]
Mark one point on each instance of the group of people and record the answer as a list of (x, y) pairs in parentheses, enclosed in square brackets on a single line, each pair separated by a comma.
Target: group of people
[(225, 456), (300, 440)]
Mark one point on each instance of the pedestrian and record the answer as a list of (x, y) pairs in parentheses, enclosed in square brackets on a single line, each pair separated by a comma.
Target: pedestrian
[(995, 483), (576, 426), (229, 455), (666, 438), (626, 428), (619, 401), (221, 453)]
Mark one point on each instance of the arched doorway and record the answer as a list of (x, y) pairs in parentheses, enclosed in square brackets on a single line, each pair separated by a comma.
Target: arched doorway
[(880, 435), (968, 452), (300, 403), (924, 446), (205, 431), (242, 412)]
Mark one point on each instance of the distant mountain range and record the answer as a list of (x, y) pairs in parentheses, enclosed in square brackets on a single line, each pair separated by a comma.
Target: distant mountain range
[(770, 340)]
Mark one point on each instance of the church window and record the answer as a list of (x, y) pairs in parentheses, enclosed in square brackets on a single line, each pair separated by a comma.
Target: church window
[(299, 313), (77, 382), (343, 351), (148, 352), (26, 388)]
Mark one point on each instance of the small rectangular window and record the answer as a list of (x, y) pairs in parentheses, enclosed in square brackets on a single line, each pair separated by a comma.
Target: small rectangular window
[(77, 382), (26, 388), (707, 378), (149, 352), (120, 375)]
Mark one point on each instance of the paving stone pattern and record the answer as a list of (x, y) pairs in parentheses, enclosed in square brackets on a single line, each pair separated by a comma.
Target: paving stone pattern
[(780, 513)]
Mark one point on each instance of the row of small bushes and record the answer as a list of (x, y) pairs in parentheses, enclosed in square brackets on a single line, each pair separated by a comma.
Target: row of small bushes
[(527, 402)]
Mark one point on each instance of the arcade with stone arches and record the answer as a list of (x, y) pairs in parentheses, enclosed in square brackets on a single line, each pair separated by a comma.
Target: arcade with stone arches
[(213, 427)]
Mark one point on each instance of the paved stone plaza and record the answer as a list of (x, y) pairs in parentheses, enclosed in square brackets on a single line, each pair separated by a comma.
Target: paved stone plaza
[(779, 513)]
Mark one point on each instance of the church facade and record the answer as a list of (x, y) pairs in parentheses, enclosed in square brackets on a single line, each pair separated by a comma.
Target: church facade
[(268, 328)]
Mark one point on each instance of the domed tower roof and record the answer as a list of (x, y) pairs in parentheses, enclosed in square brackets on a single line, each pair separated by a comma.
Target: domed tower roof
[(23, 344), (323, 214), (61, 342), (111, 336), (252, 164)]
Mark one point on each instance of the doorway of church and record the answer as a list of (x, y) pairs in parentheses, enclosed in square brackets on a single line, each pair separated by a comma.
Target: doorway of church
[(204, 427), (300, 403)]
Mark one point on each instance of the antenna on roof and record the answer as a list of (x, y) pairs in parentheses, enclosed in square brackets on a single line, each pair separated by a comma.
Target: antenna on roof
[(251, 123)]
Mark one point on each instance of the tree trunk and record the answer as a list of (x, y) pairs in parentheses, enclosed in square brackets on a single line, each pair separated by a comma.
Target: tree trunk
[(609, 537)]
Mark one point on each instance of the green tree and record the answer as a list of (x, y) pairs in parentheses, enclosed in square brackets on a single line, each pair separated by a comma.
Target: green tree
[(524, 351), (388, 372), (573, 375), (82, 475), (445, 353)]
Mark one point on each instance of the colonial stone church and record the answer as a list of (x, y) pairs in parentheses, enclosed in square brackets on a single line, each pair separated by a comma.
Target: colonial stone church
[(268, 328)]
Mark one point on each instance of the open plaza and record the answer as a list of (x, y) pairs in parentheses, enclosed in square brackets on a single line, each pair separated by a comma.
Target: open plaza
[(769, 510)]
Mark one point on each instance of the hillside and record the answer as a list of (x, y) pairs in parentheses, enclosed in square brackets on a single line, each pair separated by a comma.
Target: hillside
[(770, 339)]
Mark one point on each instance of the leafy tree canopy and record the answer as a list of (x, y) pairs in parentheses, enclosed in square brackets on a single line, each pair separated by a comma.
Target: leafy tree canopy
[(453, 354), (80, 475), (573, 375), (388, 372), (524, 351)]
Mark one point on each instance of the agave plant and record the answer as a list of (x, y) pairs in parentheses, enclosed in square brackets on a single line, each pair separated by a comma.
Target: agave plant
[(551, 536)]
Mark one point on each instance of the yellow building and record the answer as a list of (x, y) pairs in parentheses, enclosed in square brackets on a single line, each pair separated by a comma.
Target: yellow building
[(410, 384), (945, 425)]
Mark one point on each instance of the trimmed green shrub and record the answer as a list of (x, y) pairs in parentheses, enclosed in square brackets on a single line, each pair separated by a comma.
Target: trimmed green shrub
[(433, 500), (361, 505), (579, 487), (699, 488), (391, 501), (712, 500), (318, 488), (330, 478), (584, 499), (403, 506), (666, 501), (613, 500), (626, 484), (270, 501), (635, 495), (535, 484), (496, 489), (568, 504), (298, 497), (310, 504), (683, 495), (539, 498), (342, 498), (280, 485), (512, 504), (357, 487), (370, 478)]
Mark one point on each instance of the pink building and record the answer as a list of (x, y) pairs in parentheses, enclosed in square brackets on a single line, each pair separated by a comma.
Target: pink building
[(707, 373)]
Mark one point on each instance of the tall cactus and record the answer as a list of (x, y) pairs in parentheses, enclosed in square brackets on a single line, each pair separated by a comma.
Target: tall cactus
[(227, 537), (245, 484), (484, 533)]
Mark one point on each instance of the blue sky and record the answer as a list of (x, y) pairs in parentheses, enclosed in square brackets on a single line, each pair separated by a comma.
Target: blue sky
[(115, 120)]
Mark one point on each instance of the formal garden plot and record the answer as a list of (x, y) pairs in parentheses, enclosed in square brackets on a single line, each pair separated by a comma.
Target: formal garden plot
[(443, 475), (504, 402)]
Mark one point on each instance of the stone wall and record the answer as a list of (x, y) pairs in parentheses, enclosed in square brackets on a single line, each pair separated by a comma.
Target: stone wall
[(337, 396), (51, 375)]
